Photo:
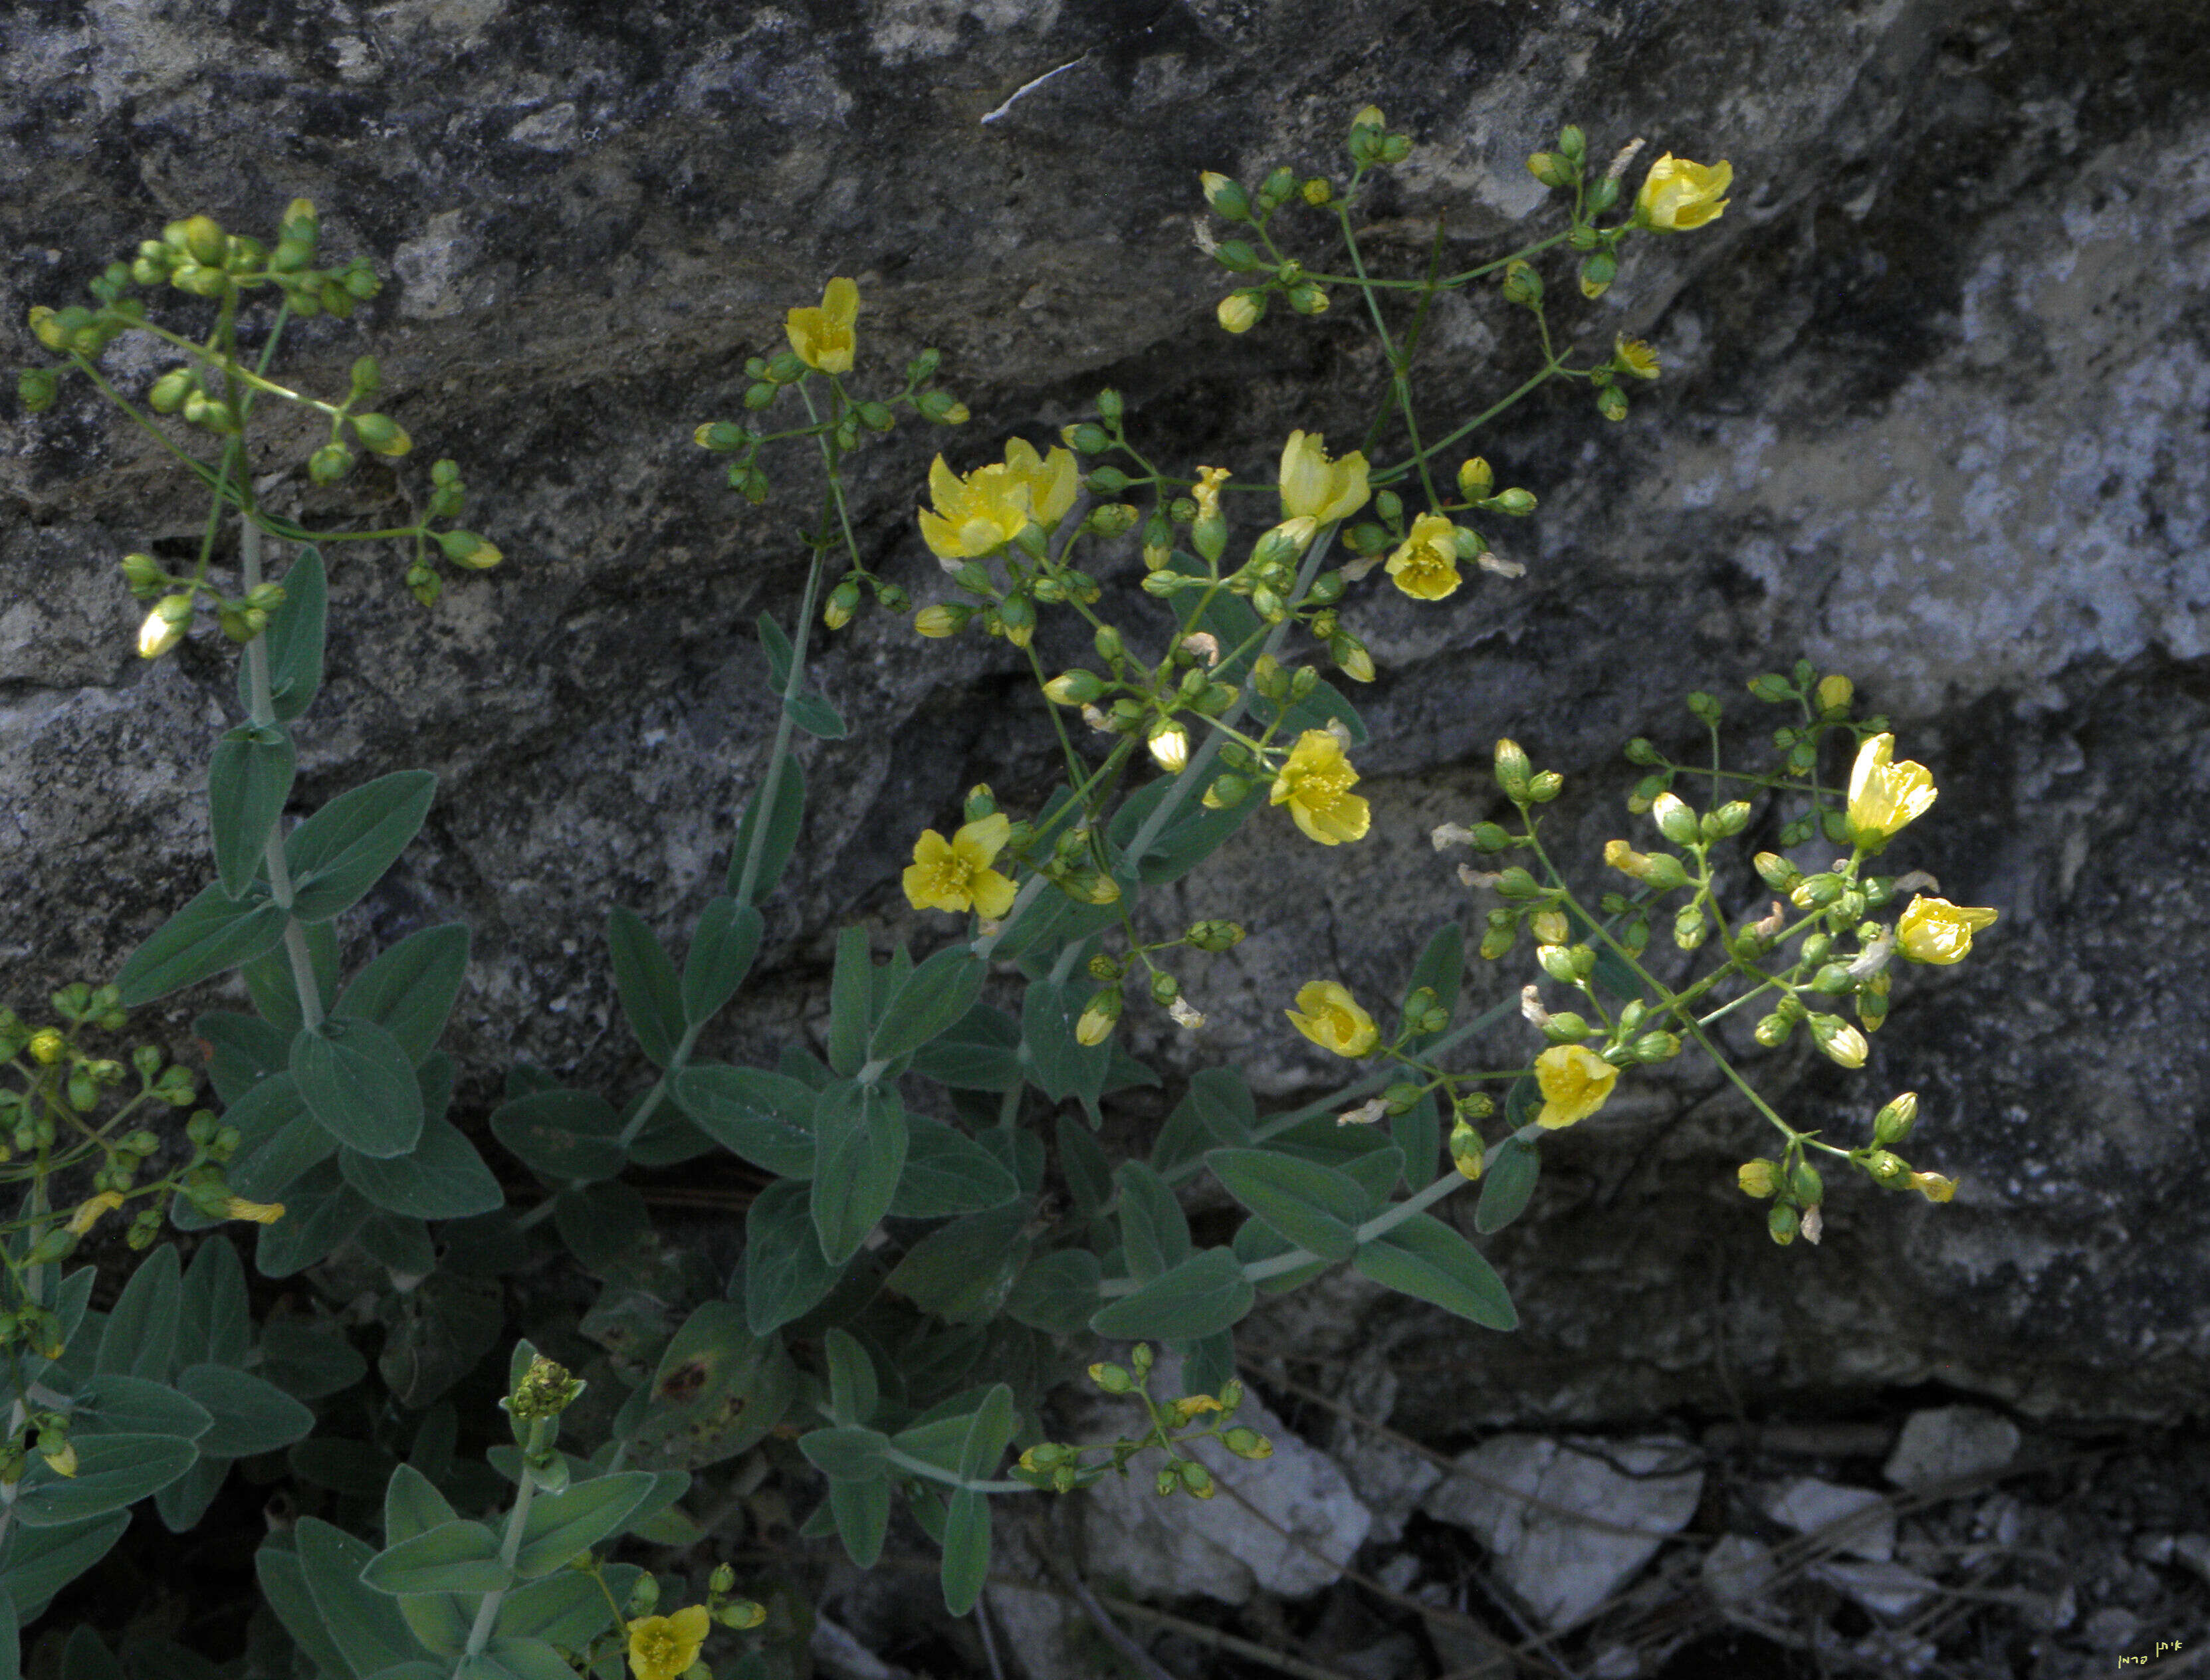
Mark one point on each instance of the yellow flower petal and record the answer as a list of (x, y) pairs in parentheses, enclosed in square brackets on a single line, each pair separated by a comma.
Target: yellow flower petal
[(1315, 785), (1884, 797), (977, 515), (1575, 1083), (955, 874), (1934, 930), (1312, 485), (1328, 1015), (1677, 195)]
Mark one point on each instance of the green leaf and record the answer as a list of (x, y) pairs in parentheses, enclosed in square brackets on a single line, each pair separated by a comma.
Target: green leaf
[(644, 976), (456, 1556), (860, 1137), (266, 1172), (936, 995), (141, 1336), (524, 1659), (781, 809), (1222, 1104), (409, 989), (1059, 1064), (113, 1471), (1192, 834), (1426, 1259), (211, 935), (113, 1404), (284, 1585), (1056, 1292), (807, 709), (990, 1428), (366, 1625), (851, 1002), (184, 1501), (341, 851), (848, 1453), (413, 1505), (966, 1550), (1418, 1135), (275, 990), (963, 1272), (862, 1513), (252, 1414), (294, 640), (1206, 1292), (246, 1050), (43, 1561), (442, 1177), (563, 1526), (563, 1135), (717, 1392), (1314, 1206), (1440, 970), (947, 1172), (1082, 1163), (86, 1658), (214, 1318), (358, 1083), (310, 1357), (566, 1609), (722, 948), (607, 1227), (785, 1274), (852, 1392), (1153, 1227), (248, 782), (1507, 1185), (320, 1212), (1256, 1241), (767, 1118), (980, 1052)]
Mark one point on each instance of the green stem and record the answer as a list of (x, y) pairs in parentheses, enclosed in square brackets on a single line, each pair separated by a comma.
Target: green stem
[(510, 1548)]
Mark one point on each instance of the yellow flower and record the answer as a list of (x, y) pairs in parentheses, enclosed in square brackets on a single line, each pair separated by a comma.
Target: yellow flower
[(975, 516), (46, 1045), (1575, 1081), (1315, 785), (1312, 484), (1677, 195), (89, 1215), (661, 1647), (261, 1212), (1333, 1021), (1932, 1185), (1052, 479), (1425, 565), (1937, 931), (1883, 797), (823, 338), (953, 874), (1635, 357)]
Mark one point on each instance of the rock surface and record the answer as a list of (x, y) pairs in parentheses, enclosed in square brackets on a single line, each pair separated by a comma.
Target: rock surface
[(1931, 416)]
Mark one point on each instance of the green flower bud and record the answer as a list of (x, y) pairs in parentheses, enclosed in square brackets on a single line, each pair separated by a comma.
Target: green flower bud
[(1611, 403), (1759, 1178), (1893, 1123), (1088, 438), (877, 416), (1511, 770), (1522, 285), (1545, 786), (1887, 1169), (1806, 1186), (1074, 688), (1246, 1443), (1515, 502), (1214, 936), (1781, 1225), (1229, 201), (329, 464), (844, 601), (1566, 1028), (1657, 1047), (1237, 256), (1164, 988), (382, 434), (1598, 269), (36, 388), (1551, 170)]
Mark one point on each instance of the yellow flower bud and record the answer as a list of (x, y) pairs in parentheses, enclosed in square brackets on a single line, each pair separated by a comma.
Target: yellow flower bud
[(165, 626), (1834, 694), (939, 622), (1239, 311), (1933, 1186), (1884, 797), (1759, 1178), (90, 1213), (1097, 1018), (260, 1213), (47, 1046)]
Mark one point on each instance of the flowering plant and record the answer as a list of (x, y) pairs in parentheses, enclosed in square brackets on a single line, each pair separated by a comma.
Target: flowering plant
[(940, 1234)]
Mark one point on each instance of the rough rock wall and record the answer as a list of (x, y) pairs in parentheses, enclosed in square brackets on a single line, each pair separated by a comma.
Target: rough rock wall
[(1932, 416)]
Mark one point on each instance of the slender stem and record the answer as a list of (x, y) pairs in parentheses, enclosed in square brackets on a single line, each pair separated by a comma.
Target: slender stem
[(510, 1548)]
